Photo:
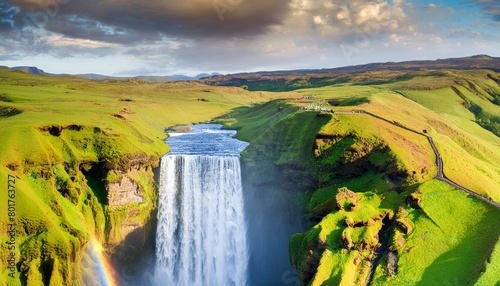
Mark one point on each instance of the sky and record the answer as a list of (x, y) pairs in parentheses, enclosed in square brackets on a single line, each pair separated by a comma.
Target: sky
[(166, 37)]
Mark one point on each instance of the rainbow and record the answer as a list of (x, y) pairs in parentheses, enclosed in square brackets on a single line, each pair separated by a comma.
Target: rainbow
[(104, 268)]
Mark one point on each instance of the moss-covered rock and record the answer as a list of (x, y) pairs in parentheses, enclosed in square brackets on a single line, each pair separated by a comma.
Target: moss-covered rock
[(347, 200), (69, 205), (414, 199)]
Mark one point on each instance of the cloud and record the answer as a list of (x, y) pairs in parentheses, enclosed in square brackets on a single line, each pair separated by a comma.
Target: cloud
[(337, 19), (6, 16), (162, 36), (130, 21), (149, 28), (491, 7), (177, 18), (61, 41)]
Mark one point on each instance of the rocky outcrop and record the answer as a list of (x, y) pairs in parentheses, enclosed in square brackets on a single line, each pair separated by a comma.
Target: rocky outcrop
[(414, 200), (124, 192), (403, 222), (347, 200), (346, 240), (128, 199), (131, 217)]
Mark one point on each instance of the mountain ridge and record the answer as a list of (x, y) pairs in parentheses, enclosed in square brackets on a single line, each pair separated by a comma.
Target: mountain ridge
[(393, 71), (472, 62), (95, 76), (462, 63)]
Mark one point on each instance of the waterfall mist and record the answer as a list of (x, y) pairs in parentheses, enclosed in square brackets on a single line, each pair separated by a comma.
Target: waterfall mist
[(272, 217)]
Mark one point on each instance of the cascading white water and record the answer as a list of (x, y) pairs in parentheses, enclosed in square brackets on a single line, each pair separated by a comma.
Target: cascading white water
[(201, 234)]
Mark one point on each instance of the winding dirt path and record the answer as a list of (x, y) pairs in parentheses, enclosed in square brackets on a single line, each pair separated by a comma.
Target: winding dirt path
[(439, 160)]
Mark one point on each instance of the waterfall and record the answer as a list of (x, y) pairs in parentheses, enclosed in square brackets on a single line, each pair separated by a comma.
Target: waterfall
[(201, 234)]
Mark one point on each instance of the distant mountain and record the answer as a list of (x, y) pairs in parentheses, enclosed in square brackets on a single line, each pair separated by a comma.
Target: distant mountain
[(199, 76), (93, 76), (205, 75), (178, 77), (37, 71), (152, 78), (30, 70), (181, 77), (294, 79), (467, 63), (287, 79)]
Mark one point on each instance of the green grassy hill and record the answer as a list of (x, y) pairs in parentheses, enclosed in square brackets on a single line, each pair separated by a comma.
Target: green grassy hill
[(69, 141), (373, 73), (375, 213)]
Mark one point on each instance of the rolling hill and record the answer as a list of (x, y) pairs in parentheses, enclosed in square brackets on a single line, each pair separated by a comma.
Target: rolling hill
[(349, 147)]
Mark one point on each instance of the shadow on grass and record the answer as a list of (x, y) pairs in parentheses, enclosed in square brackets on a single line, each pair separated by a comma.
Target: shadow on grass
[(134, 258), (7, 111), (465, 263)]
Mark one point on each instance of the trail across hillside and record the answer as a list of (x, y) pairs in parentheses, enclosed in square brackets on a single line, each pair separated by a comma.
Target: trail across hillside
[(439, 160)]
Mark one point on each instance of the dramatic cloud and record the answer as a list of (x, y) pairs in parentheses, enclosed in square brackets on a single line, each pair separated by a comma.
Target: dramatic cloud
[(7, 14), (338, 19), (170, 36), (111, 19)]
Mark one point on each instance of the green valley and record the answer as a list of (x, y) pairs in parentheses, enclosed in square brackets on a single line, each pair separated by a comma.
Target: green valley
[(376, 214), (84, 154), (350, 152)]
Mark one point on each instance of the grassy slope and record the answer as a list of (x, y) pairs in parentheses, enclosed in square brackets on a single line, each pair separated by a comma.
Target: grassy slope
[(130, 115), (490, 276), (473, 152), (453, 237), (118, 108), (96, 122), (440, 231), (282, 137)]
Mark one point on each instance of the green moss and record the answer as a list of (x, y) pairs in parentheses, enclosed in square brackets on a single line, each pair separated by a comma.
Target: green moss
[(84, 134), (346, 240), (451, 238), (280, 139), (7, 111), (492, 268), (296, 250), (113, 176), (66, 138), (347, 200)]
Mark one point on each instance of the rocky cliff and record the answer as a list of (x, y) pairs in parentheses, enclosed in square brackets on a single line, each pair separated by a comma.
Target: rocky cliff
[(375, 215), (73, 198)]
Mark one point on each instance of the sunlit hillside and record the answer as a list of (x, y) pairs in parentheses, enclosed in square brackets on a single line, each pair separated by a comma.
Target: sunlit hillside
[(355, 157)]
